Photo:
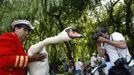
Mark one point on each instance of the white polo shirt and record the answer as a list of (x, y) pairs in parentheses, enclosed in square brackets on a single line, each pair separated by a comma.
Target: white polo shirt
[(78, 65)]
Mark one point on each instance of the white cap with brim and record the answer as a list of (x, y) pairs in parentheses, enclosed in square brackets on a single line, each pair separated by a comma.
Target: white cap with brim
[(24, 22), (93, 54)]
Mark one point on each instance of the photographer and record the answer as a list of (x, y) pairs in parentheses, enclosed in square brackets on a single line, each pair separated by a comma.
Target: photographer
[(115, 46)]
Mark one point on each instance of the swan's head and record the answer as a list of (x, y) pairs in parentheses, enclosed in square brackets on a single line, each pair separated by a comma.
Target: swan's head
[(73, 32)]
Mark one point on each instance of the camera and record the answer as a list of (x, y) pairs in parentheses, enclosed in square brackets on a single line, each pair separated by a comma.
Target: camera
[(120, 61), (98, 33), (96, 36), (123, 64)]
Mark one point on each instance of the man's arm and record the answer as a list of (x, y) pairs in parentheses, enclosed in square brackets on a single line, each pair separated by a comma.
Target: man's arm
[(9, 57), (13, 61), (118, 44), (100, 50)]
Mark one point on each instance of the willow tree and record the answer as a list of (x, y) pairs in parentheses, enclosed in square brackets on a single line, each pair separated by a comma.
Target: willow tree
[(48, 16)]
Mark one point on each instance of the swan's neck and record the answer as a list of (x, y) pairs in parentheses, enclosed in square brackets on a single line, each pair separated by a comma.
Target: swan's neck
[(63, 36)]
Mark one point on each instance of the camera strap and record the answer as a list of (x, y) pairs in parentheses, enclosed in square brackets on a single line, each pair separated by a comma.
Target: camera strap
[(120, 56)]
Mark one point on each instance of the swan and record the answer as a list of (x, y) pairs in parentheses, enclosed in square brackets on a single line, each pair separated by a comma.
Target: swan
[(42, 67)]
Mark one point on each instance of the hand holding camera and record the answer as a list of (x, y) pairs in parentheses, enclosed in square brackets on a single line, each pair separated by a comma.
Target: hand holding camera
[(99, 35), (102, 40)]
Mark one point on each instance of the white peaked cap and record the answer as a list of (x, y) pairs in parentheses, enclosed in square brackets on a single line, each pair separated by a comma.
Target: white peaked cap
[(25, 22), (93, 53)]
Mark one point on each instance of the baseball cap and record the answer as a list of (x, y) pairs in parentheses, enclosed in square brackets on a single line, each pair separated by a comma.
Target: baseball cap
[(93, 54), (22, 22)]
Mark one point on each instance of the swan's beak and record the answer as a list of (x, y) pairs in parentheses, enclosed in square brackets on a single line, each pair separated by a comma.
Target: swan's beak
[(72, 33), (75, 35)]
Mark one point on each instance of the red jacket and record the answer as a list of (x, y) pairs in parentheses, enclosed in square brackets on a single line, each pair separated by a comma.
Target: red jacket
[(13, 59)]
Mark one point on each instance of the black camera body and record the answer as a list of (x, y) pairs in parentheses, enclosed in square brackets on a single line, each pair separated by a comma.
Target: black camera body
[(123, 64), (120, 61), (98, 33), (96, 36)]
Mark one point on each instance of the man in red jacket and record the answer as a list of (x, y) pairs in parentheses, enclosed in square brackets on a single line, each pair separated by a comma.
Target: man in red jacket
[(13, 58)]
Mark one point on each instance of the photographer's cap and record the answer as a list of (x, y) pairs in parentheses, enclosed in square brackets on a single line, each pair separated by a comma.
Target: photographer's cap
[(22, 22)]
